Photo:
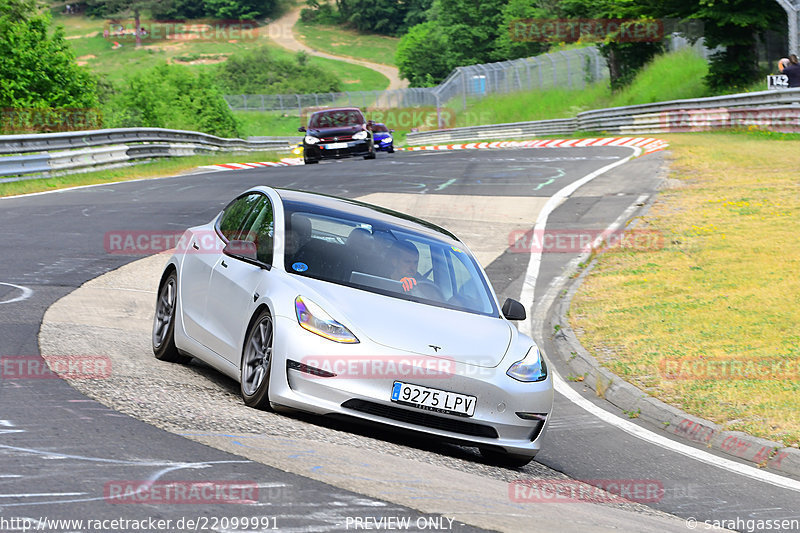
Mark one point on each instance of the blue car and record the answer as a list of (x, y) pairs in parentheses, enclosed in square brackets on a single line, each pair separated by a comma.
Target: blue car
[(382, 137)]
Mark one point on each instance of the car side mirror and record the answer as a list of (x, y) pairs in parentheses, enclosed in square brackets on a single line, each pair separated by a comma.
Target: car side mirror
[(513, 310), (243, 250), (391, 131), (301, 128)]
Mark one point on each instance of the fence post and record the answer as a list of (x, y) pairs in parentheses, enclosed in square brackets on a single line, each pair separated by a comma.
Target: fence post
[(438, 113)]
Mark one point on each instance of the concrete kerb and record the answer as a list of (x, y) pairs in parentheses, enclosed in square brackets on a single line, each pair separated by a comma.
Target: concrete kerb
[(629, 398)]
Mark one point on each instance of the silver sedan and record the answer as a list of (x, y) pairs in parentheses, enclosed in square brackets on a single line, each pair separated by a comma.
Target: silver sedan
[(337, 307)]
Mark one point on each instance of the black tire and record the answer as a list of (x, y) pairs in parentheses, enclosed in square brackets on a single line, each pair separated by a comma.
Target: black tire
[(508, 460), (256, 362), (310, 161), (371, 155), (391, 149), (163, 337)]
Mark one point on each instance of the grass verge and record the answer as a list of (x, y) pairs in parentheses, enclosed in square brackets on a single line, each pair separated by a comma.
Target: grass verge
[(343, 42), (710, 322), (152, 169)]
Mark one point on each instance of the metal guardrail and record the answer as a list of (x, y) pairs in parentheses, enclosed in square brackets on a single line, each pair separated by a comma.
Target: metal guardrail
[(563, 126), (37, 142), (83, 149), (775, 110)]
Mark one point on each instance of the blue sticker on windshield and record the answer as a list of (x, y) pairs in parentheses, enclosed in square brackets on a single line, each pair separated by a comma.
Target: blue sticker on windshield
[(300, 267)]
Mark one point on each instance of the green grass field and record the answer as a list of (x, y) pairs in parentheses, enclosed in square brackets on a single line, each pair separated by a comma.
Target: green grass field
[(95, 51), (339, 41)]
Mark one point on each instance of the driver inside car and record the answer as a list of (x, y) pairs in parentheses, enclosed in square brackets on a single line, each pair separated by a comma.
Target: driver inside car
[(404, 260)]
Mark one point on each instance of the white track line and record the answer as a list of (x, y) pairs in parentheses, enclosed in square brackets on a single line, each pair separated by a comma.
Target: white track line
[(569, 393)]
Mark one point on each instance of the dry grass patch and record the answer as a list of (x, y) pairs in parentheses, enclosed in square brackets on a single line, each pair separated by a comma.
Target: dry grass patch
[(723, 290)]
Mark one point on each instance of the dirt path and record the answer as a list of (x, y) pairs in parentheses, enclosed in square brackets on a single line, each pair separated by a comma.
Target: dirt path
[(281, 32)]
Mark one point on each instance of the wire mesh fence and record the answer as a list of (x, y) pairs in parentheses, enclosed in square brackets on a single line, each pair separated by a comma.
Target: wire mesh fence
[(567, 69)]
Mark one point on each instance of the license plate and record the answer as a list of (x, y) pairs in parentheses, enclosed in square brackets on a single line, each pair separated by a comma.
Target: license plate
[(433, 399), (335, 146)]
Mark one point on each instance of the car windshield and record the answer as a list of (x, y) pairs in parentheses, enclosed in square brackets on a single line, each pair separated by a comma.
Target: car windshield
[(336, 118), (375, 256), (380, 128)]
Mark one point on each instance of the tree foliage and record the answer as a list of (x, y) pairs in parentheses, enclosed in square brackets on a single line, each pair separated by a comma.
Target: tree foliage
[(733, 24), (420, 58), (257, 72), (171, 96), (387, 17), (37, 67)]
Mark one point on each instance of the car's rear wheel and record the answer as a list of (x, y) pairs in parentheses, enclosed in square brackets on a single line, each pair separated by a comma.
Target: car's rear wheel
[(163, 338), (502, 458), (256, 362)]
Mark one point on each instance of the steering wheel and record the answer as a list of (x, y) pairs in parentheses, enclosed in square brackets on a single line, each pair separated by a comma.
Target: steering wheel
[(429, 290)]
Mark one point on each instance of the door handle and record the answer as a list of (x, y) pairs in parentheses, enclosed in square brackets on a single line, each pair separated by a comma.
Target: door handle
[(194, 245), (223, 264)]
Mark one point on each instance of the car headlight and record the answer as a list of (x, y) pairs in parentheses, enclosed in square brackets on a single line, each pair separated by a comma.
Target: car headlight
[(361, 135), (386, 140), (531, 368), (310, 139), (313, 318)]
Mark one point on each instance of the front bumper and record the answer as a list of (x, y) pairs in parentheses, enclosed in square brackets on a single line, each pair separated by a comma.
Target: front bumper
[(494, 424), (322, 151)]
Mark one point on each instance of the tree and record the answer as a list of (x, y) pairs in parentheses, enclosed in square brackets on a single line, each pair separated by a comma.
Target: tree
[(624, 59), (510, 45), (732, 24), (171, 96), (470, 27), (37, 67), (421, 55)]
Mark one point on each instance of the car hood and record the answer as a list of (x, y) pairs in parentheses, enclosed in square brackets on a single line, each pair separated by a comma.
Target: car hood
[(334, 132), (378, 135), (415, 327)]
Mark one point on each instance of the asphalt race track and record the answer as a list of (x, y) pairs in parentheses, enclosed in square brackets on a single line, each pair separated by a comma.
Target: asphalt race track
[(59, 449)]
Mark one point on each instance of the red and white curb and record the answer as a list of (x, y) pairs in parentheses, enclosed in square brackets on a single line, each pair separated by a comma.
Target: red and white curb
[(647, 144), (285, 162)]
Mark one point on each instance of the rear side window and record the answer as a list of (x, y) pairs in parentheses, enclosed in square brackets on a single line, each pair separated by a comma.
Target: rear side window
[(235, 216)]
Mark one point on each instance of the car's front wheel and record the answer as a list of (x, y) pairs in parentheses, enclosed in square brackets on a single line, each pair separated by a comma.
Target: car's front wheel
[(371, 154), (307, 161), (256, 362), (502, 458), (163, 337)]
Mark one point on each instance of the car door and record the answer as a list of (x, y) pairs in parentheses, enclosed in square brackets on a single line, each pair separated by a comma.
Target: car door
[(234, 285), (203, 251)]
